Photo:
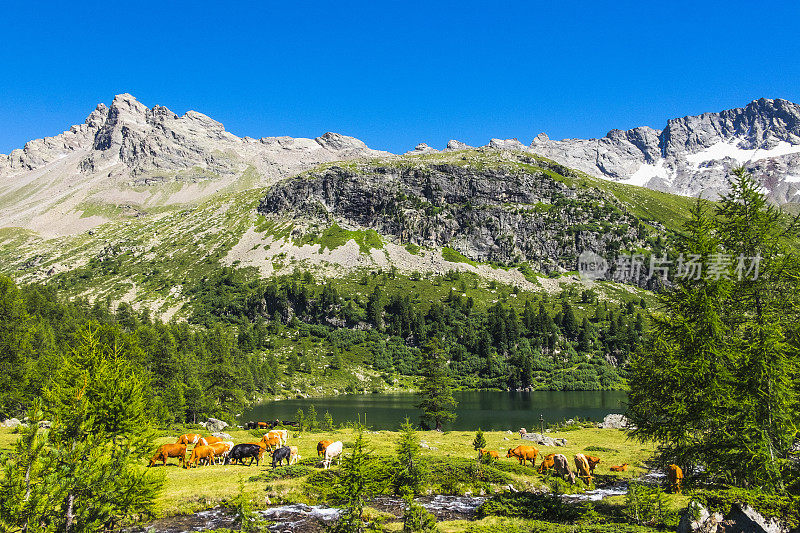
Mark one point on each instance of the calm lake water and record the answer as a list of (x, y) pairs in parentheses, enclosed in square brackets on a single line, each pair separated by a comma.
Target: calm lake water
[(484, 409)]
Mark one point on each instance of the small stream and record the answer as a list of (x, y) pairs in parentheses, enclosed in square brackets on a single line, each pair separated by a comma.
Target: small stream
[(301, 518)]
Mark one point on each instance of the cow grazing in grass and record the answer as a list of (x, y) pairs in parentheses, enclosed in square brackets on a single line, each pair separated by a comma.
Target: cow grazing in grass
[(547, 463), (222, 449), (582, 468), (200, 454), (620, 468), (523, 454), (294, 455), (675, 478), (333, 451), (593, 462), (321, 445), (242, 451), (270, 443), (208, 441), (280, 454), (189, 438), (165, 451), (561, 467), (491, 453), (281, 434)]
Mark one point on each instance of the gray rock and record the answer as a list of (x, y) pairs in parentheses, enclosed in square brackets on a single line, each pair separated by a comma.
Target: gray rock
[(223, 436), (472, 202), (215, 425), (613, 421), (543, 440), (11, 423), (453, 145), (742, 518)]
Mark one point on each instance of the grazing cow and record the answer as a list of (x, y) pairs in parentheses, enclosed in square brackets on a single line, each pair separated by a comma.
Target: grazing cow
[(189, 438), (333, 451), (208, 441), (221, 450), (280, 454), (262, 425), (582, 468), (165, 451), (620, 468), (280, 434), (242, 451), (294, 455), (561, 467), (523, 454), (321, 445), (200, 453), (270, 443), (593, 462), (547, 463), (491, 453), (675, 477)]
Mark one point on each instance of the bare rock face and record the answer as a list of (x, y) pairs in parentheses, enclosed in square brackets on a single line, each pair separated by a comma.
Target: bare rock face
[(693, 155), (740, 519), (128, 145)]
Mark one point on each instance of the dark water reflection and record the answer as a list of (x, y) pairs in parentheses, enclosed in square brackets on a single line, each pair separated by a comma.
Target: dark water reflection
[(486, 409)]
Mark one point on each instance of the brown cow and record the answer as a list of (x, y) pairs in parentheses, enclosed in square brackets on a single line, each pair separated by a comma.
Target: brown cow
[(491, 453), (593, 462), (165, 451), (524, 453), (189, 438), (675, 477), (620, 468), (270, 443), (561, 467), (208, 441), (321, 445), (582, 468), (221, 450), (200, 453), (547, 463)]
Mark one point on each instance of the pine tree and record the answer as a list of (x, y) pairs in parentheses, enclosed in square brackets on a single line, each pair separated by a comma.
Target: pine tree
[(409, 476), (327, 422), (480, 441), (437, 402), (88, 477), (356, 483), (714, 383), (311, 418)]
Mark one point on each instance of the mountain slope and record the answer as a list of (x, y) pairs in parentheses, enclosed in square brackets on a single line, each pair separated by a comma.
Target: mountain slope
[(130, 160)]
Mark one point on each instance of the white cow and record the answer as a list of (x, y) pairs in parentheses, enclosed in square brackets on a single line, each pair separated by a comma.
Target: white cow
[(333, 451), (293, 456)]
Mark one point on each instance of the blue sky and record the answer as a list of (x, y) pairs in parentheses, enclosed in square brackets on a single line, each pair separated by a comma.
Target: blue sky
[(396, 73)]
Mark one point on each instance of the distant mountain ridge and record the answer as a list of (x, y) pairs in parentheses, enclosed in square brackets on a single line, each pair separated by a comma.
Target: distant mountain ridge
[(137, 157), (692, 155), (131, 159)]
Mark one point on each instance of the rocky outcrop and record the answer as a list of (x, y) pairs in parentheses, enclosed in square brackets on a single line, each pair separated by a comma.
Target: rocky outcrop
[(214, 425), (742, 518), (507, 213), (693, 155), (543, 440), (613, 421)]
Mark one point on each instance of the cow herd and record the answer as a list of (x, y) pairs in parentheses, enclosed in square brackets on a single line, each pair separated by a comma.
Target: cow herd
[(213, 450), (584, 465)]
